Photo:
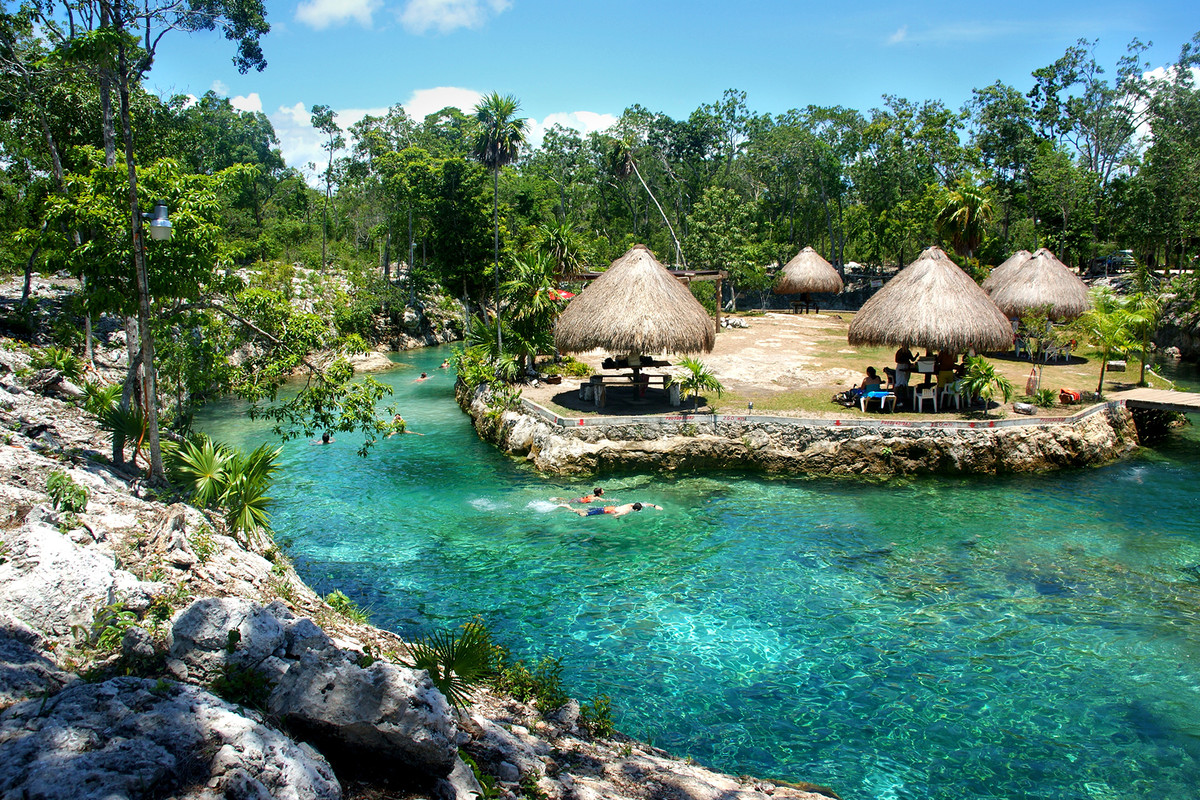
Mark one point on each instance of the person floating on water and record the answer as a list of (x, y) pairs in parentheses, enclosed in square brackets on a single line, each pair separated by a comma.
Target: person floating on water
[(325, 439), (423, 377), (445, 364), (616, 511)]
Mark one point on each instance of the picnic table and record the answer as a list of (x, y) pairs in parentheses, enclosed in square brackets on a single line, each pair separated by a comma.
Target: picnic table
[(596, 387)]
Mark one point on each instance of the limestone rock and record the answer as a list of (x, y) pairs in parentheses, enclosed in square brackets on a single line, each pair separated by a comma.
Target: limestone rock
[(383, 714), (138, 738), (24, 670), (52, 584), (216, 631)]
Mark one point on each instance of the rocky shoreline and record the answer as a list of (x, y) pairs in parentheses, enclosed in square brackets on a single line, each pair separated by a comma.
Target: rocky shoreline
[(120, 622), (684, 442)]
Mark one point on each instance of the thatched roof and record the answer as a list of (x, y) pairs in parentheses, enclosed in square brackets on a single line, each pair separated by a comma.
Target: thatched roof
[(808, 272), (637, 307), (1002, 273), (932, 303), (1043, 281)]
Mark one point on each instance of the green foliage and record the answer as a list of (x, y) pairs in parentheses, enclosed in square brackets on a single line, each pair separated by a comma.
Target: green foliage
[(486, 782), (109, 623), (541, 684), (57, 358), (568, 367), (983, 381), (1045, 398), (226, 476), (125, 425), (99, 399), (456, 664), (243, 686), (529, 787), (699, 378), (343, 605), (65, 494), (596, 716)]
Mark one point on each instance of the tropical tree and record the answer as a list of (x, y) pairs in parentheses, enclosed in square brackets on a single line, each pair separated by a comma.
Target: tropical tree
[(322, 120), (1142, 312), (497, 144), (699, 378), (963, 217), (1106, 326), (532, 303), (983, 381)]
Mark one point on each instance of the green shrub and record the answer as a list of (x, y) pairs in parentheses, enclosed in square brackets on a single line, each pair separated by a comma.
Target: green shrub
[(66, 494), (596, 716), (1046, 398), (60, 359), (97, 398), (243, 686), (568, 367), (542, 685), (343, 605)]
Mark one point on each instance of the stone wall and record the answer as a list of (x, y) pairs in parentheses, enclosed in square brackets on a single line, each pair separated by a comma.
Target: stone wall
[(793, 446)]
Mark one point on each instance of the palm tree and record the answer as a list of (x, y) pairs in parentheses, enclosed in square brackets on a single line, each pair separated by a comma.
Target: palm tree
[(498, 143), (984, 382), (1107, 326), (699, 378), (965, 213), (561, 242), (533, 304)]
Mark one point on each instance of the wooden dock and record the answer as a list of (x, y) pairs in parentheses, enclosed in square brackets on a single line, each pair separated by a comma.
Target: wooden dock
[(1159, 400)]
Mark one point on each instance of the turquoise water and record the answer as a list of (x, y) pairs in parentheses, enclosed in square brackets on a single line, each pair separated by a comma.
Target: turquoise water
[(1020, 637)]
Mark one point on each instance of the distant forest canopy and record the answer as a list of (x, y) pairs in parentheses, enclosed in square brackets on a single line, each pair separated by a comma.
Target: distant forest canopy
[(1086, 159)]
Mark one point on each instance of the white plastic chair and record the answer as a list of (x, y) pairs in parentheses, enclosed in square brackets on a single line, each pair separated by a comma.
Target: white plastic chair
[(924, 393), (951, 391)]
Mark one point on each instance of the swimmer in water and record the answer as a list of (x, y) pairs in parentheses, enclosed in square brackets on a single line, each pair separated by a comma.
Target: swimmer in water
[(616, 511)]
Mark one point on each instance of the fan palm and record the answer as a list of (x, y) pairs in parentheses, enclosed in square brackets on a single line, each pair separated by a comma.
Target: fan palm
[(245, 496), (205, 467), (1142, 312), (456, 664), (498, 143)]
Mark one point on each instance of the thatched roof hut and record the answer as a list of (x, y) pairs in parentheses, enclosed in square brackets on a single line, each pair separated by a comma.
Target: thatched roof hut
[(808, 272), (635, 307), (1002, 273), (1043, 281), (933, 304)]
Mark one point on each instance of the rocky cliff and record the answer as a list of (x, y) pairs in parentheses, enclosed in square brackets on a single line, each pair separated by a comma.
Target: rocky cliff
[(147, 653)]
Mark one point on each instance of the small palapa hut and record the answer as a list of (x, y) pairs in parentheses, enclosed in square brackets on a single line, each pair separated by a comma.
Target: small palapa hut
[(932, 304), (808, 273), (635, 307), (1042, 282), (1003, 272)]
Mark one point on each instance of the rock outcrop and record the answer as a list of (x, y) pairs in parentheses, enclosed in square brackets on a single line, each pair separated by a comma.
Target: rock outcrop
[(786, 446), (131, 737)]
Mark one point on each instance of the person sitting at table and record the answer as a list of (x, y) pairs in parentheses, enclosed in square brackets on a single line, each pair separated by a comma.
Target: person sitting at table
[(946, 365)]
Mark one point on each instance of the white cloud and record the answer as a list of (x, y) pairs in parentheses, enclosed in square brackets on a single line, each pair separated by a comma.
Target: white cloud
[(252, 102), (444, 16), (583, 121), (220, 88), (424, 102), (320, 14), (899, 36)]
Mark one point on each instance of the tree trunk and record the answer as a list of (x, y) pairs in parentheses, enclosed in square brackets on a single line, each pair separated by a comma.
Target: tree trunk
[(150, 387), (678, 249)]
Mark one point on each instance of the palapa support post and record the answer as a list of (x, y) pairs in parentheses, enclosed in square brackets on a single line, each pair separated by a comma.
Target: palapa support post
[(717, 329)]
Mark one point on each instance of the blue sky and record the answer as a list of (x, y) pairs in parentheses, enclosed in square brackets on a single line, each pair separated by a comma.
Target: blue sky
[(582, 62)]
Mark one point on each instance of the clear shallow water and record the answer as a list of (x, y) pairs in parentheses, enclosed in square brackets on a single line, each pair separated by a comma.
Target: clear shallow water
[(1021, 637)]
